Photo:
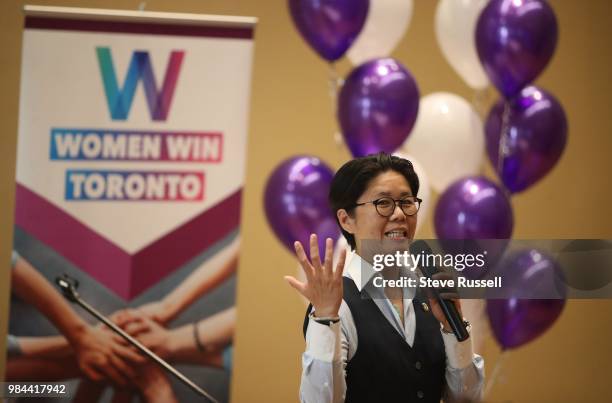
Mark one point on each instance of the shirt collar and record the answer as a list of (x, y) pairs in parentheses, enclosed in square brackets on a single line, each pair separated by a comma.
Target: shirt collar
[(362, 272)]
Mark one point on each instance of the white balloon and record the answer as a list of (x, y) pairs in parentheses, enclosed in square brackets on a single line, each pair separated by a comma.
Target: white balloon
[(455, 24), (385, 25), (424, 189), (447, 139)]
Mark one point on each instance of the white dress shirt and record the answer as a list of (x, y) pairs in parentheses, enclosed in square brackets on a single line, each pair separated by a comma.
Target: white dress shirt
[(329, 348)]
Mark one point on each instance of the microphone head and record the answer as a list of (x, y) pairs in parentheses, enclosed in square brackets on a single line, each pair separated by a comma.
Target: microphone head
[(420, 246), (426, 264)]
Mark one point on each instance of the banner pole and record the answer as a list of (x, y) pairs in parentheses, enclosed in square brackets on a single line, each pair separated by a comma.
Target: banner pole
[(68, 288)]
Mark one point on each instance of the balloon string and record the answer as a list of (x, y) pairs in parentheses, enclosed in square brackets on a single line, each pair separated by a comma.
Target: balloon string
[(502, 151), (335, 82), (479, 101), (495, 373)]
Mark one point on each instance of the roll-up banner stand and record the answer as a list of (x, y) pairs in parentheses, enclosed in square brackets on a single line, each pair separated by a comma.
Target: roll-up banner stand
[(130, 169)]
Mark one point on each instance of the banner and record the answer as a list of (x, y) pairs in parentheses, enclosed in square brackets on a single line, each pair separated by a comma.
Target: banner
[(130, 168)]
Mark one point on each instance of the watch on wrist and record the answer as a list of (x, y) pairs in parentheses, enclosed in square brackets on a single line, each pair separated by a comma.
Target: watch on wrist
[(325, 320)]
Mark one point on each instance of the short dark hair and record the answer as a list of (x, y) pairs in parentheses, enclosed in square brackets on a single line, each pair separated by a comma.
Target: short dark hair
[(352, 179)]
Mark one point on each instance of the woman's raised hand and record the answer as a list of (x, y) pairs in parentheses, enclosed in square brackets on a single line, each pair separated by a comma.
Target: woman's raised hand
[(323, 286)]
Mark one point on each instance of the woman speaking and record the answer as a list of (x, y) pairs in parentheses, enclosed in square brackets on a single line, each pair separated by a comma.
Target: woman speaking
[(365, 343)]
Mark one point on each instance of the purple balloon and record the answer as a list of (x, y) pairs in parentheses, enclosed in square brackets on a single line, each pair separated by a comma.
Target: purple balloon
[(473, 208), (518, 321), (536, 135), (296, 202), (377, 107), (515, 40), (329, 26)]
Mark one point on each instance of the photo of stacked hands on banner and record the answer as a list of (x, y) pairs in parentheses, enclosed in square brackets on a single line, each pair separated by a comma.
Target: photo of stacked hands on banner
[(102, 358)]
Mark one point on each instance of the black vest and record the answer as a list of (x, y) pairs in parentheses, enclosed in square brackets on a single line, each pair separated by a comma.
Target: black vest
[(385, 368)]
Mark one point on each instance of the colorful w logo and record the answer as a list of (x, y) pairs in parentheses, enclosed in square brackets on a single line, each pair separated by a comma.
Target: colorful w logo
[(120, 100)]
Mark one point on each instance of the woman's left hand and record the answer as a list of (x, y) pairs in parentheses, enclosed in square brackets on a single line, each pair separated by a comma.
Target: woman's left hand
[(444, 293)]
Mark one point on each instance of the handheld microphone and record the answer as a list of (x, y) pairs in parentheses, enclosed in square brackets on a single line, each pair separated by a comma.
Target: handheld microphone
[(448, 307)]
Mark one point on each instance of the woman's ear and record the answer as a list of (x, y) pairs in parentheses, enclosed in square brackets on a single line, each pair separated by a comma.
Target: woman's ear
[(346, 221)]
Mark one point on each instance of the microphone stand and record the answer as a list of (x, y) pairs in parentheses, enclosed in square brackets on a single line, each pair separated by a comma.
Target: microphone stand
[(68, 287)]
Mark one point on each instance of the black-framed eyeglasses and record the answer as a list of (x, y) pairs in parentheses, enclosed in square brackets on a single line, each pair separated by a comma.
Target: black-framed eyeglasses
[(385, 206)]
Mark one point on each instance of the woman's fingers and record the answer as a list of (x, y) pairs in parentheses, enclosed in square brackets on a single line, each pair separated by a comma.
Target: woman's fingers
[(327, 264), (323, 287), (340, 265), (301, 255), (315, 271), (298, 285), (315, 259)]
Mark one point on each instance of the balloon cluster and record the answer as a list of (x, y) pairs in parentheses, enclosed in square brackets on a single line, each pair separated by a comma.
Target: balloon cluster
[(505, 42), (377, 107), (525, 134), (378, 103), (526, 131), (510, 42)]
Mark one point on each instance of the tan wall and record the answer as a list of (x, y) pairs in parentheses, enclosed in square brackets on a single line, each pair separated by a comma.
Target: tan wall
[(291, 113)]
